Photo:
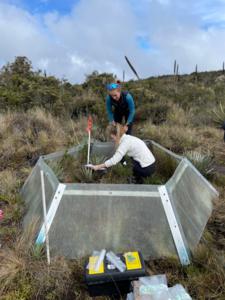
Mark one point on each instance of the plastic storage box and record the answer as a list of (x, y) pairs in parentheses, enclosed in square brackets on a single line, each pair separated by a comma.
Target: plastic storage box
[(108, 280)]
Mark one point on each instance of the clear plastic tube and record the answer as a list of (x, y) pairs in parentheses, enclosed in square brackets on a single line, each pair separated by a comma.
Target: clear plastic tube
[(100, 259), (130, 296), (116, 261), (94, 253)]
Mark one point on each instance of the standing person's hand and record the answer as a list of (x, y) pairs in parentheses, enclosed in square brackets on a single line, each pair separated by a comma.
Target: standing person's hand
[(113, 123)]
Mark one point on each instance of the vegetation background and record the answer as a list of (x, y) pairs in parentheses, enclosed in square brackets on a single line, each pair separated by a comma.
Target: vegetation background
[(41, 114)]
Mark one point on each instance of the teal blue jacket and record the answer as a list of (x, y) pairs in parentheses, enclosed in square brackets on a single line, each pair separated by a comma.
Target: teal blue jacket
[(126, 103)]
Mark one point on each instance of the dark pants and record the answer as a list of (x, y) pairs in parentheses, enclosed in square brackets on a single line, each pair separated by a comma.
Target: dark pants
[(223, 127), (140, 173), (118, 118)]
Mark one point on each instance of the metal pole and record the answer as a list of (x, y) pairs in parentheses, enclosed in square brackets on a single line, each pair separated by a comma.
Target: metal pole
[(45, 219), (123, 75)]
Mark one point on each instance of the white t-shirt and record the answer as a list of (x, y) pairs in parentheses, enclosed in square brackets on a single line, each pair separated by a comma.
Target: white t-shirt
[(133, 147)]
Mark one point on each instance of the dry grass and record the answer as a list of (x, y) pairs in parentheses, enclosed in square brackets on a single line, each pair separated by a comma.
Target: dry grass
[(176, 138), (26, 136), (11, 205), (209, 138), (9, 185), (203, 279), (204, 162), (219, 152), (178, 116), (216, 223), (24, 274)]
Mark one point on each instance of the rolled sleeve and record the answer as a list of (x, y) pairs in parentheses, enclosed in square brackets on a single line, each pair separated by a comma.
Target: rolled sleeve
[(114, 160)]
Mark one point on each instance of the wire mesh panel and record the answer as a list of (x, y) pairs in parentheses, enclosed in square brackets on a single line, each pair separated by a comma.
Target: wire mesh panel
[(116, 217), (104, 149), (191, 195), (59, 154), (31, 191), (121, 217)]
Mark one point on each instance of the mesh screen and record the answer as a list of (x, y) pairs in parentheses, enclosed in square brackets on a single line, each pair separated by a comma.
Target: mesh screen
[(191, 196), (120, 223), (84, 223), (31, 191)]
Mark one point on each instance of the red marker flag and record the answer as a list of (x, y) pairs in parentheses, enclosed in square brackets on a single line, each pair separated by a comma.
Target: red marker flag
[(89, 124)]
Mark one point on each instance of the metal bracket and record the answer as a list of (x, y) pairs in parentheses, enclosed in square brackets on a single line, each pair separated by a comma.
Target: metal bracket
[(111, 193), (51, 212), (177, 237)]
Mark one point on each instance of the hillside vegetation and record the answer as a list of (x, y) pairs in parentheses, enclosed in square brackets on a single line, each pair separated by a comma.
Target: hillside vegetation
[(40, 114)]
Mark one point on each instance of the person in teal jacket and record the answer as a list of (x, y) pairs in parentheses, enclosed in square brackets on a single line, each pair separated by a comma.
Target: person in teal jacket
[(119, 106)]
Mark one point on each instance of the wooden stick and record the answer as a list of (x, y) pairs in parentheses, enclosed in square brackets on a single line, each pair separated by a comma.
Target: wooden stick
[(89, 146)]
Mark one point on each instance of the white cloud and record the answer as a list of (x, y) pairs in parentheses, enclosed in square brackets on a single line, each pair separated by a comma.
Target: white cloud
[(43, 63), (77, 61), (164, 2), (97, 34)]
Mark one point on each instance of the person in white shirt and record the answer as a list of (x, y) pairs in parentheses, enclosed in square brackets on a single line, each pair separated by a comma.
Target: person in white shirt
[(142, 157)]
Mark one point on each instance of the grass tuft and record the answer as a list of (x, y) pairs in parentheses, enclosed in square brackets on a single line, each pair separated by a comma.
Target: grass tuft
[(218, 115), (203, 162)]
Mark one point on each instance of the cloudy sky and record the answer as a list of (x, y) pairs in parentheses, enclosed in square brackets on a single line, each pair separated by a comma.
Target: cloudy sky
[(72, 38)]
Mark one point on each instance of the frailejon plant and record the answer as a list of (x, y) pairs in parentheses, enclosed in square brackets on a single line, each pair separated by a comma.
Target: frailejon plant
[(218, 115), (84, 175), (203, 162), (57, 168)]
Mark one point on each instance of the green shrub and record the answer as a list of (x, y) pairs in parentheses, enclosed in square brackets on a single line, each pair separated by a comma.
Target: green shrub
[(156, 112), (118, 173)]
